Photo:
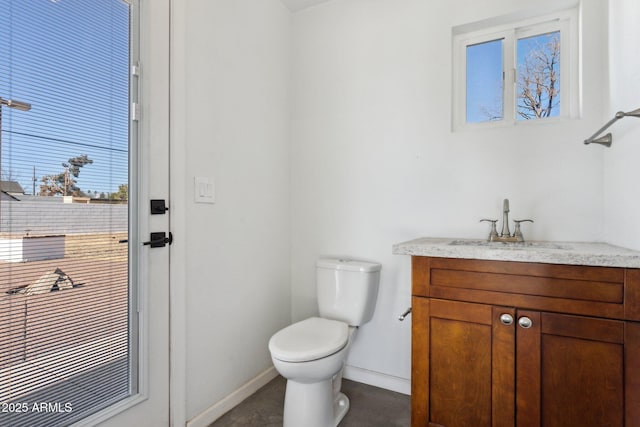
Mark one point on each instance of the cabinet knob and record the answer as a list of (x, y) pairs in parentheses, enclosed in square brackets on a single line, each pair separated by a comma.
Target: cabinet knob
[(525, 322), (506, 319)]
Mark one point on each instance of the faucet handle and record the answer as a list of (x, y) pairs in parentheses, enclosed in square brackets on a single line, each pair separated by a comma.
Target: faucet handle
[(517, 232), (518, 221), (493, 234)]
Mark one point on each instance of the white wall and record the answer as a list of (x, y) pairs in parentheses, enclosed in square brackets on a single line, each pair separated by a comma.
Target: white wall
[(230, 122), (622, 174), (374, 161), (361, 157)]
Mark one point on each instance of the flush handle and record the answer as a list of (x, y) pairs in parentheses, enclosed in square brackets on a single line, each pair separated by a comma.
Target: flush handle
[(405, 314)]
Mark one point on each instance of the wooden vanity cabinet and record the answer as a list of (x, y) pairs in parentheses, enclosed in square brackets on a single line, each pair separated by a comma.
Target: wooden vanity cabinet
[(500, 343)]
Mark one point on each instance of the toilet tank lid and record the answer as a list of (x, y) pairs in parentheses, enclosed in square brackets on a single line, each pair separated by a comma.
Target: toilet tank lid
[(348, 264)]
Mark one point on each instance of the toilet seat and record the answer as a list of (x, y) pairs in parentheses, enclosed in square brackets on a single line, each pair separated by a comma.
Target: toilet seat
[(310, 339)]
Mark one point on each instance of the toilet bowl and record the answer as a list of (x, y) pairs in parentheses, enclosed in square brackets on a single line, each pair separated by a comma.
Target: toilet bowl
[(311, 353)]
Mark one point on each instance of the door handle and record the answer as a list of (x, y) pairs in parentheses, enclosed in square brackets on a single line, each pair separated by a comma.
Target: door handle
[(159, 240)]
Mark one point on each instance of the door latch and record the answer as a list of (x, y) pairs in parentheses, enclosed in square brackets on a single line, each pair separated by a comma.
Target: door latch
[(158, 207), (159, 240)]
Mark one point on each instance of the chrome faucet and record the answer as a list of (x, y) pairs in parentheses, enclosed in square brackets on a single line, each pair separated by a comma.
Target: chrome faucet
[(506, 236), (505, 218)]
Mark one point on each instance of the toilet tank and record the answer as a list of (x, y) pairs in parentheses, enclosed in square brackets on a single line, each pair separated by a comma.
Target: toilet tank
[(347, 289)]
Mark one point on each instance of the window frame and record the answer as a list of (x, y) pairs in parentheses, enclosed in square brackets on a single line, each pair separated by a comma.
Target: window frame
[(565, 22)]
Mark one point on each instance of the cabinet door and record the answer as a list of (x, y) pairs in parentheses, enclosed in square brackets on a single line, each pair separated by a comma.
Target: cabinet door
[(463, 364), (570, 371)]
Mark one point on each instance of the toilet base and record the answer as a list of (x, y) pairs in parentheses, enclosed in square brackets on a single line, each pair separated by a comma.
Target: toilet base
[(340, 407), (313, 405)]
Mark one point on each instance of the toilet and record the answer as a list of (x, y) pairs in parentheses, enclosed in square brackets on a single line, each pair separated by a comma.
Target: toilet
[(311, 353)]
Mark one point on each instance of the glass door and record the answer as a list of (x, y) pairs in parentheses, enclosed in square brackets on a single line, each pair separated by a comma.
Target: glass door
[(73, 302)]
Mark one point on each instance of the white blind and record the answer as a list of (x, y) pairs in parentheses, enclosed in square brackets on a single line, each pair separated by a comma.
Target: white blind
[(64, 291)]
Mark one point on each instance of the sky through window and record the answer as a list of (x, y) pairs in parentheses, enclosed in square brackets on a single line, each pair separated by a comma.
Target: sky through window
[(69, 59)]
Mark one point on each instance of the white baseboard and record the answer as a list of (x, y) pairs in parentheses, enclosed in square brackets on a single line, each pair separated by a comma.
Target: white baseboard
[(231, 401), (377, 379)]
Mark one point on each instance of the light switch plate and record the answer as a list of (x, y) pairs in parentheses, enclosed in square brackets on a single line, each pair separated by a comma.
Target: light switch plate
[(204, 189)]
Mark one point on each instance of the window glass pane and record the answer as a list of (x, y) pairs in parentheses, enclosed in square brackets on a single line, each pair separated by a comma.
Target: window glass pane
[(484, 82), (538, 84), (64, 288)]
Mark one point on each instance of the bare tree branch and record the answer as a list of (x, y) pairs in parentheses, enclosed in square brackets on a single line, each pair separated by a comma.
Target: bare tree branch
[(538, 91)]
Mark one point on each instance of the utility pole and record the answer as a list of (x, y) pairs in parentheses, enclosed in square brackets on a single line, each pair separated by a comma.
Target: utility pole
[(66, 179), (18, 105)]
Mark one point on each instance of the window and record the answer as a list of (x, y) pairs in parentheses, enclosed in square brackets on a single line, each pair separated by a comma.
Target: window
[(484, 84), (65, 297), (506, 73)]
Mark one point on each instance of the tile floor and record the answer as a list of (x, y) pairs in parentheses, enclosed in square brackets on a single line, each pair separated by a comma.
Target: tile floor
[(370, 407)]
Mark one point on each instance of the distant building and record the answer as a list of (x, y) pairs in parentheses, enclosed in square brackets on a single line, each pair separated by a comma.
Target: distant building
[(6, 196), (26, 214), (12, 188)]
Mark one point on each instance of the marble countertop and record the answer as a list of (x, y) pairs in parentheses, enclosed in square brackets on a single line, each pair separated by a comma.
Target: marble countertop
[(573, 253)]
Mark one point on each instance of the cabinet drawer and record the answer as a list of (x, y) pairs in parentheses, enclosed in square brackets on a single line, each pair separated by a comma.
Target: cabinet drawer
[(594, 291)]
